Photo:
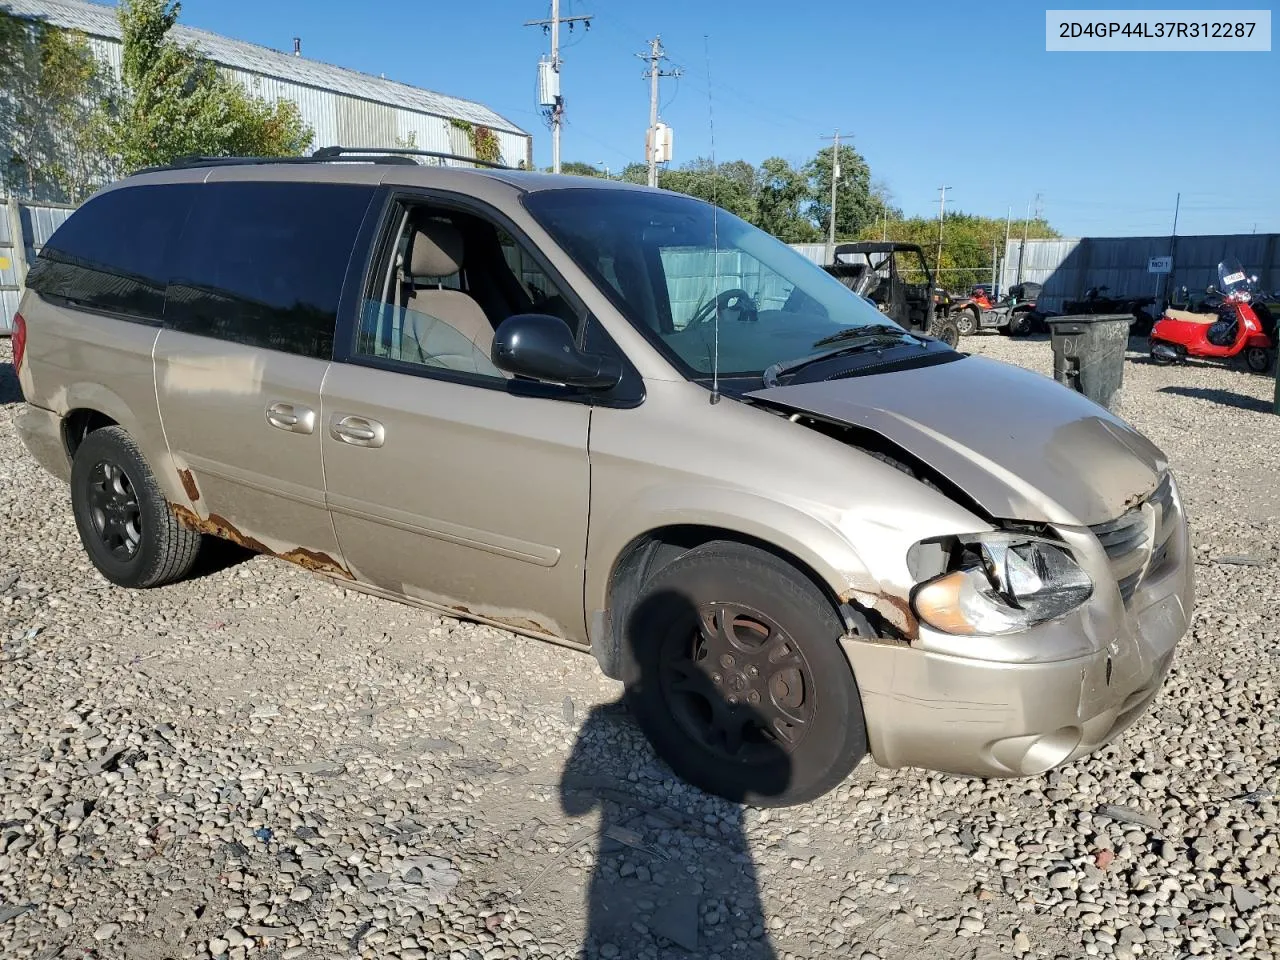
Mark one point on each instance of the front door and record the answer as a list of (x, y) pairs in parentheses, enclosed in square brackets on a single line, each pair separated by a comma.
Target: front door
[(447, 481), (248, 335)]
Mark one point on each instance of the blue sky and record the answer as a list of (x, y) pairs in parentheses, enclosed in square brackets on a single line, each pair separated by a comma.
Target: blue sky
[(935, 92)]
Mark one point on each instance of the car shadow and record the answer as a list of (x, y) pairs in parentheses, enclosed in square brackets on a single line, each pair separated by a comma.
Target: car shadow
[(1227, 398), (10, 388), (672, 874), (216, 555)]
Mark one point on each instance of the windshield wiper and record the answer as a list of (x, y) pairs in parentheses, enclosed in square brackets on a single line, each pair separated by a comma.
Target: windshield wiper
[(871, 341), (867, 330)]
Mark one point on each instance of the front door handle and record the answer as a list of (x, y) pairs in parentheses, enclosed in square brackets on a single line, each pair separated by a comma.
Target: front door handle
[(357, 431), (295, 419)]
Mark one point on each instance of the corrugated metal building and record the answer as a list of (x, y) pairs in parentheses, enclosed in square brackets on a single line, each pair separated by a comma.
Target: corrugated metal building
[(343, 107)]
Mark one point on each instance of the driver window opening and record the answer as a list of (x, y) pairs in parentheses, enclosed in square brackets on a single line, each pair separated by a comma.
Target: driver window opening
[(447, 281)]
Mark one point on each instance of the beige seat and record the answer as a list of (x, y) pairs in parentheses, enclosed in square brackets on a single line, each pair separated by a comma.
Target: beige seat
[(1188, 317), (442, 327)]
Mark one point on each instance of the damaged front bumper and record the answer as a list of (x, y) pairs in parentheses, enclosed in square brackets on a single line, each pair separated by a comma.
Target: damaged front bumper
[(1007, 706)]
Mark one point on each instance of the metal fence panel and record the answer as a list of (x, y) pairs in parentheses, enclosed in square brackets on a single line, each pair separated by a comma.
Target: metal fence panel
[(8, 272), (1068, 268)]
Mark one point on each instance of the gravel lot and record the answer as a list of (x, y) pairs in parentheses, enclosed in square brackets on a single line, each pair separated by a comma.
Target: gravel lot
[(255, 763)]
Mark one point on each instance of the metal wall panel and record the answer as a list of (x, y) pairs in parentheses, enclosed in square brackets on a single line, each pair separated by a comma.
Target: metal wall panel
[(817, 252), (8, 307), (9, 294), (1068, 268), (99, 20), (362, 124)]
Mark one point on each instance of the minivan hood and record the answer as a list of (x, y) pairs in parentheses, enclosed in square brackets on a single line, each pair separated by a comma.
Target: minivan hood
[(1021, 445)]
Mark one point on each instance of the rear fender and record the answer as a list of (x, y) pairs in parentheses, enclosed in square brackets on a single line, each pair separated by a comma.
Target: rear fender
[(86, 395)]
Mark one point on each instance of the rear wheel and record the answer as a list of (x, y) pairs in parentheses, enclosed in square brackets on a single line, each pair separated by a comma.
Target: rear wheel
[(1019, 324), (1259, 359), (734, 671), (122, 516), (1161, 353), (946, 330), (966, 322)]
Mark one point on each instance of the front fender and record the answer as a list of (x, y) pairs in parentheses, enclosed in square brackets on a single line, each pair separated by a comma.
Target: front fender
[(811, 540)]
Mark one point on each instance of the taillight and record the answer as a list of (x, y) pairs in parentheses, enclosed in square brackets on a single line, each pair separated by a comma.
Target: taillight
[(19, 340)]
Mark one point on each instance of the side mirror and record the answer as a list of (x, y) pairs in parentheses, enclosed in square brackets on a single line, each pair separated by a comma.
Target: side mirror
[(1211, 289), (541, 347)]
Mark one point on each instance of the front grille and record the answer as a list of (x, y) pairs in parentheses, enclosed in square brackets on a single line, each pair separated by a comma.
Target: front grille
[(1137, 543)]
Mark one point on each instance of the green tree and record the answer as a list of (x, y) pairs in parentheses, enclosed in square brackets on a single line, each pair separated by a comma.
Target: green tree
[(782, 202), (967, 243), (51, 88), (174, 103), (855, 206), (731, 186), (577, 168)]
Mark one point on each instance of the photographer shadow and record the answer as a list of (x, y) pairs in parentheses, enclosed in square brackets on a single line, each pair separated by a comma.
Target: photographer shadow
[(673, 875)]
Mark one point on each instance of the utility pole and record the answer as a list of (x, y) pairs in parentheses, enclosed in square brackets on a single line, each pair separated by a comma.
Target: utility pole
[(1173, 240), (655, 56), (835, 180), (557, 110), (942, 206), (1004, 253), (1026, 226)]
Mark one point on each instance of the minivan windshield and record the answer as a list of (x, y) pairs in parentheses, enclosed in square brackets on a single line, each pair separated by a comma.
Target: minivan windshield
[(670, 263)]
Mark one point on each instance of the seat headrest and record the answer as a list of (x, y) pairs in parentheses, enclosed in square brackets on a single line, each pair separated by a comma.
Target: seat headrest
[(436, 250)]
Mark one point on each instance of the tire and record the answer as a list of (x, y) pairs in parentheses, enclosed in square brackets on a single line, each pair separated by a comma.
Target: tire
[(966, 323), (1258, 359), (946, 330), (1157, 359), (796, 729), (124, 521), (1019, 325)]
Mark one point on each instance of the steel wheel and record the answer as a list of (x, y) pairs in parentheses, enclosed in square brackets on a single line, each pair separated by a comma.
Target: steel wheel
[(114, 509), (966, 323), (739, 686), (757, 707)]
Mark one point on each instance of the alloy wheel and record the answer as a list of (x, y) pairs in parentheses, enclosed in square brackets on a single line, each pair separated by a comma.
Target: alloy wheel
[(114, 509)]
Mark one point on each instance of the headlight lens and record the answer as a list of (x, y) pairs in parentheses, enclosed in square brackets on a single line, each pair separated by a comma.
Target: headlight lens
[(1005, 586)]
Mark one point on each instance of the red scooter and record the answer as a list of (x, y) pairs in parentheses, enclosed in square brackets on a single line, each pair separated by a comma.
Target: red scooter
[(1238, 323)]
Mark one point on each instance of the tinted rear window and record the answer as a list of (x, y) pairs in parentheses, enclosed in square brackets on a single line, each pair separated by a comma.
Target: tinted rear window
[(112, 254), (262, 264)]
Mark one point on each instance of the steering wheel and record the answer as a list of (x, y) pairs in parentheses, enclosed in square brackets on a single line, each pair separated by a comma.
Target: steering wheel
[(738, 297)]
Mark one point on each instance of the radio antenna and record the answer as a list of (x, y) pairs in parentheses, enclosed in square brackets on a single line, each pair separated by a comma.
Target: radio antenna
[(715, 229)]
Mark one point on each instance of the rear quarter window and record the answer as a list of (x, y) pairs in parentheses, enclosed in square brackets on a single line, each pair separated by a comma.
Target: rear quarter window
[(262, 264), (112, 255)]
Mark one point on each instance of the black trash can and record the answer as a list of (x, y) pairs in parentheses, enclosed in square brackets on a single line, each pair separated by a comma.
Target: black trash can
[(1088, 354)]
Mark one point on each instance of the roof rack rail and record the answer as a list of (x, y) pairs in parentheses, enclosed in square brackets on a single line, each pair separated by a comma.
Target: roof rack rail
[(183, 163), (390, 154)]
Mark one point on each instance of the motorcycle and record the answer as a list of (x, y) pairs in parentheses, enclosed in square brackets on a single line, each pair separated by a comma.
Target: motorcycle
[(1233, 321)]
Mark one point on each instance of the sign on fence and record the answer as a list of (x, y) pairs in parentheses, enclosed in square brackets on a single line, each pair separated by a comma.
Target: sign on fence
[(1160, 265)]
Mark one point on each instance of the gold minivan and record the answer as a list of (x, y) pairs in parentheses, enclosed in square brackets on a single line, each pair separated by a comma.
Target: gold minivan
[(621, 420)]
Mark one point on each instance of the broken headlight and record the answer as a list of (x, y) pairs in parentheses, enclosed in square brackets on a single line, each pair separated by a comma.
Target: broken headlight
[(1002, 585)]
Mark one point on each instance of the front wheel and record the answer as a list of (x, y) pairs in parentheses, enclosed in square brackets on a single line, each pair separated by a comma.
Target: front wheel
[(966, 323), (734, 671), (1259, 359)]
